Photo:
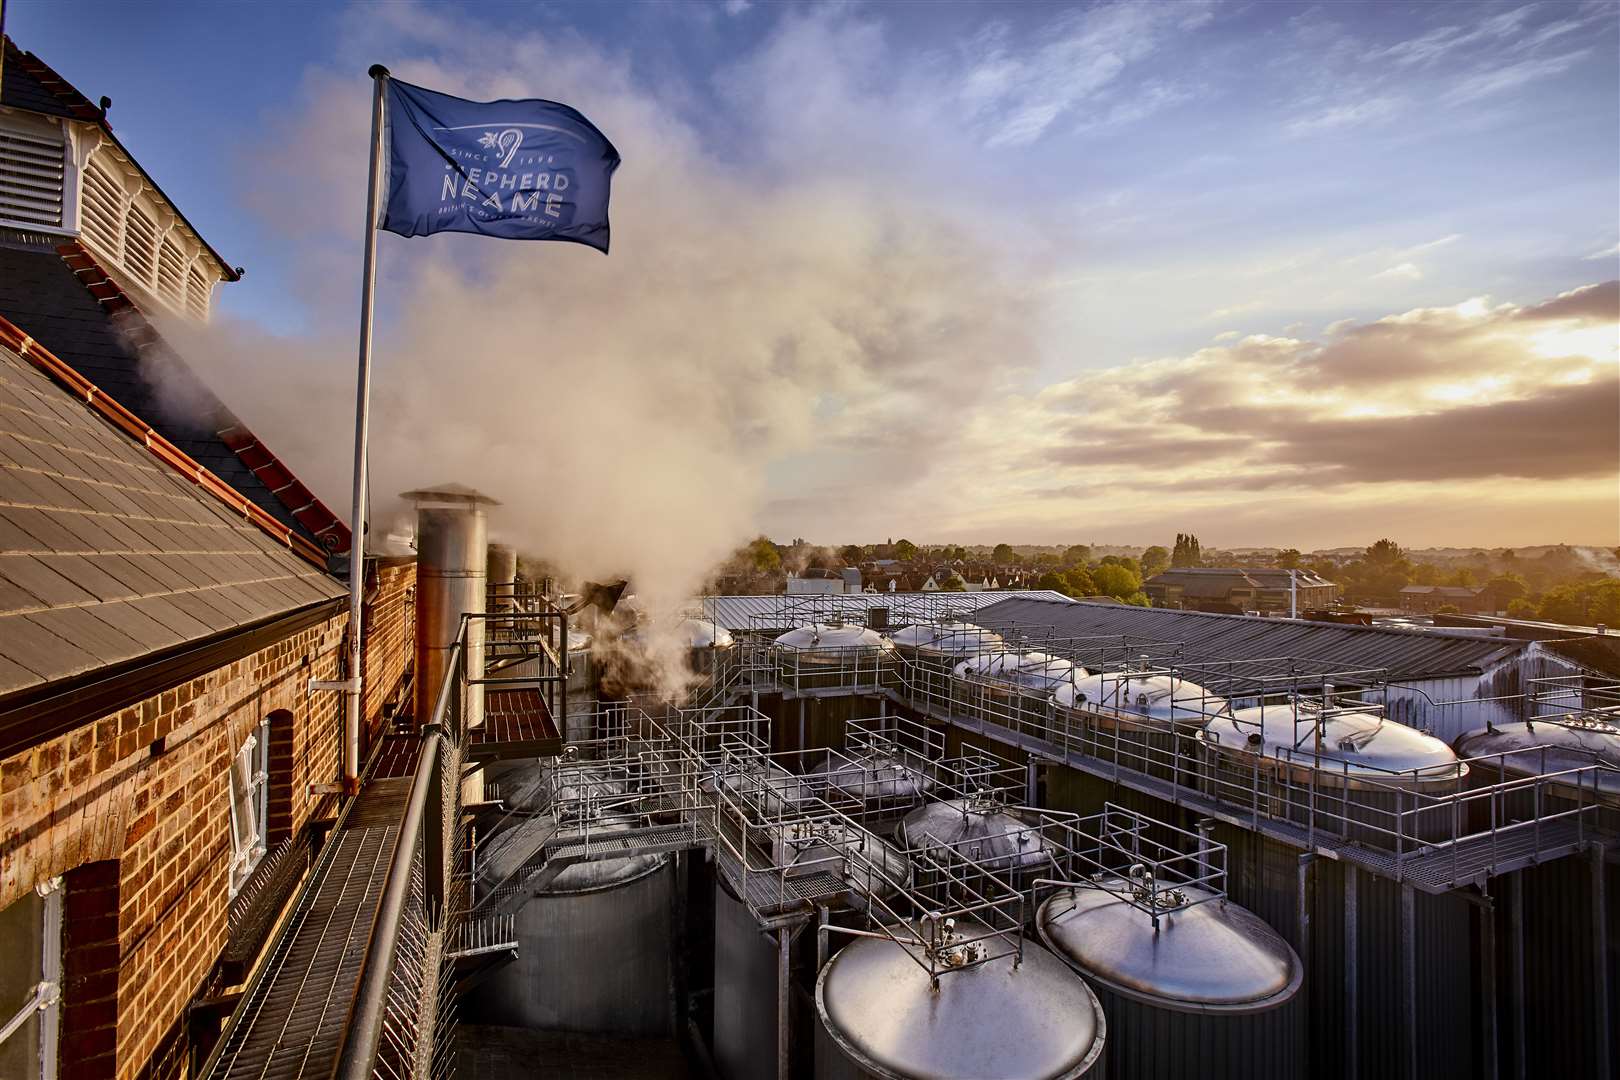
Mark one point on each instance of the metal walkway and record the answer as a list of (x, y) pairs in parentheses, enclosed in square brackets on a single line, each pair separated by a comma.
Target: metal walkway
[(291, 1021)]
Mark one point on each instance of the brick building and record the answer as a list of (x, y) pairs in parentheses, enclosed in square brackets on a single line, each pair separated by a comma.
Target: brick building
[(1426, 599), (165, 602), (1234, 590)]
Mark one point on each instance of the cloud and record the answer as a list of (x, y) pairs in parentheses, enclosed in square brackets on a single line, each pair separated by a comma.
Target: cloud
[(737, 7), (1590, 303), (626, 410), (1613, 251), (1017, 89), (1404, 272), (1451, 395)]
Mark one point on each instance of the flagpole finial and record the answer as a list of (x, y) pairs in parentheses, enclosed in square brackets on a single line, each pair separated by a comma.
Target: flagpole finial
[(377, 71)]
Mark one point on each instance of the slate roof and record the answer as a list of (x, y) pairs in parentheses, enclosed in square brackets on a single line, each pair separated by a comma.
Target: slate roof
[(42, 294), (1401, 654), (107, 554), (27, 83)]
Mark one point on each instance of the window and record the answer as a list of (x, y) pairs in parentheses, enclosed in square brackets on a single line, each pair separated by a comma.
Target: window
[(30, 982), (250, 784)]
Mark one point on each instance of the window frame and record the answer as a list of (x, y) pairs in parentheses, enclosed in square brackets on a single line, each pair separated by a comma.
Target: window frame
[(246, 858)]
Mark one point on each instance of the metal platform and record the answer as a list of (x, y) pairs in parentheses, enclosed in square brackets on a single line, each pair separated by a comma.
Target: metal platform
[(1435, 869), (291, 1021), (517, 724)]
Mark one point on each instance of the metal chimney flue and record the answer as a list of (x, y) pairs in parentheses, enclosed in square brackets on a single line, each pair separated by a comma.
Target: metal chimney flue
[(451, 576), (503, 577)]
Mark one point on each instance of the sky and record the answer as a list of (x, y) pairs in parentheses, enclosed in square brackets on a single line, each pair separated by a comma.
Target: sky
[(1277, 274)]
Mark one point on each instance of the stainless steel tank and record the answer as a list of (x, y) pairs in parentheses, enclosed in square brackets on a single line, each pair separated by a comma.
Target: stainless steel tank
[(928, 653), (1146, 722), (979, 829), (451, 562), (877, 775), (746, 959), (994, 1020), (1373, 777), (707, 643), (503, 576), (1213, 992), (1549, 745), (594, 943), (832, 654), (1012, 689)]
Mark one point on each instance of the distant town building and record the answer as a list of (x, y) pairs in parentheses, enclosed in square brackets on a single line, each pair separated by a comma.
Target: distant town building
[(1424, 599), (1236, 590), (815, 580)]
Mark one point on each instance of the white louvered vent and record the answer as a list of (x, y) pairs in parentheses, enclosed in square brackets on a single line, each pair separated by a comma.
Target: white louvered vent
[(101, 211), (140, 247), (30, 178), (171, 273), (197, 289)]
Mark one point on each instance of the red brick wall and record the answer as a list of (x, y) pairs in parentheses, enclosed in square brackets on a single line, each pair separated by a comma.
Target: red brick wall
[(390, 633), (112, 794)]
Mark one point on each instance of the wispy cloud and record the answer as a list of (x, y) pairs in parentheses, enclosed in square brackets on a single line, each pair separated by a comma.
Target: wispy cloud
[(1017, 89)]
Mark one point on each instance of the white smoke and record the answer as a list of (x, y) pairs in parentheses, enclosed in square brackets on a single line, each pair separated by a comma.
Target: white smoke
[(625, 410)]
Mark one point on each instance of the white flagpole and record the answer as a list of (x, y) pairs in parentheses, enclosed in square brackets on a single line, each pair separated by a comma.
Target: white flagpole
[(354, 694)]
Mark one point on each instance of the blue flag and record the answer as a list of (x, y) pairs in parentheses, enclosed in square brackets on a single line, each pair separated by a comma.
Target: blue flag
[(522, 170)]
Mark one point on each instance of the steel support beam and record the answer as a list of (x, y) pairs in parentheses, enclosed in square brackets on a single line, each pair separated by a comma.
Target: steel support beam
[(1516, 969), (1352, 970), (784, 1003), (1601, 1019), (1409, 1003), (1487, 984)]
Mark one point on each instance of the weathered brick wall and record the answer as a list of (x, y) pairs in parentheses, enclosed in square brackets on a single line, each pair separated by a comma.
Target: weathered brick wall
[(149, 788), (390, 633)]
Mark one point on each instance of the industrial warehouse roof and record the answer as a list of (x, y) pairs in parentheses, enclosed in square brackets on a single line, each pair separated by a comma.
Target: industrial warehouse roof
[(785, 612), (107, 553), (1402, 654), (100, 337)]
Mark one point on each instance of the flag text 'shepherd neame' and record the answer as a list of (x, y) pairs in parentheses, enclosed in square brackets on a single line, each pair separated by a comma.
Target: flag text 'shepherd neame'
[(520, 170)]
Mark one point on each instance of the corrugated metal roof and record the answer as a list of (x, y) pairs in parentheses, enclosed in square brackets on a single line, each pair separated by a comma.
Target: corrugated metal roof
[(785, 612), (106, 554), (1402, 654)]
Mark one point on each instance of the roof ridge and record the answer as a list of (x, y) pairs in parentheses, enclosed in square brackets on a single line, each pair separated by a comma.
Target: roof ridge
[(306, 508), (93, 397)]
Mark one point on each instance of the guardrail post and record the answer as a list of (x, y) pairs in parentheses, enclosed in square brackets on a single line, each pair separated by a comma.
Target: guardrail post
[(434, 847)]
